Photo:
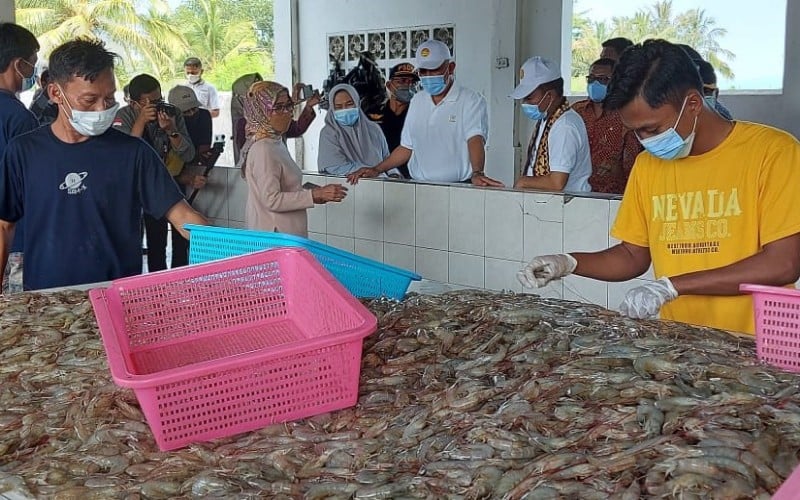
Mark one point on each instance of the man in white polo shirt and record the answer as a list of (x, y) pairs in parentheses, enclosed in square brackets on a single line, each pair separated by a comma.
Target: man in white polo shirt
[(205, 92), (444, 136), (558, 156)]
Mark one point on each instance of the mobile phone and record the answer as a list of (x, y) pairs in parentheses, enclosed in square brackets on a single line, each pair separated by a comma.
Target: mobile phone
[(310, 185), (306, 92)]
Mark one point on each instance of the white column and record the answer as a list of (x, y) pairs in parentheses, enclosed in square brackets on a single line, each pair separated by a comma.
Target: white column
[(7, 11)]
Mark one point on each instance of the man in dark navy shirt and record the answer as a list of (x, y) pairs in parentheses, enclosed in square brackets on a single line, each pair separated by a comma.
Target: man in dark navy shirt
[(18, 49), (80, 185)]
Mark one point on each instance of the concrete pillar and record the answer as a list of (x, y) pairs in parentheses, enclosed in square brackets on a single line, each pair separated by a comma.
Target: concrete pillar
[(7, 11)]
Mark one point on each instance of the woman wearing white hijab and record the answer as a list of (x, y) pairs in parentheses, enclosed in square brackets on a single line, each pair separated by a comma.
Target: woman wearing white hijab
[(349, 139)]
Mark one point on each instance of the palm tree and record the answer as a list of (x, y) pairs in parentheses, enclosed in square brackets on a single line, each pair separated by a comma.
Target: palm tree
[(147, 37)]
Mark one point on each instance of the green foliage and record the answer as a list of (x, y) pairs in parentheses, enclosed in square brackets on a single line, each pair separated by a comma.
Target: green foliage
[(692, 27), (231, 37)]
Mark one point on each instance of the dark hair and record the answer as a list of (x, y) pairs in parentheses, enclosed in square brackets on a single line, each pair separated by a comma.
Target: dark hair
[(193, 61), (707, 73), (693, 54), (142, 84), (127, 90), (557, 85), (15, 41), (83, 57), (44, 77), (659, 71), (604, 61), (619, 44)]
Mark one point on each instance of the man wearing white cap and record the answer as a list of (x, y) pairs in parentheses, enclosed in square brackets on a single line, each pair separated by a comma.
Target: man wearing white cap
[(558, 156), (445, 132)]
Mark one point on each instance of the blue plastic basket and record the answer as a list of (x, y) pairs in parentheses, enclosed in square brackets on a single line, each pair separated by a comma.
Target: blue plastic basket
[(362, 277)]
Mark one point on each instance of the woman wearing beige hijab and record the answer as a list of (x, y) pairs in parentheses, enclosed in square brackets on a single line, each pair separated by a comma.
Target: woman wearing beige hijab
[(276, 199)]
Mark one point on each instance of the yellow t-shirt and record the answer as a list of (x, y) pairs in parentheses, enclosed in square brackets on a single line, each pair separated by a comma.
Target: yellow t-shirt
[(708, 211)]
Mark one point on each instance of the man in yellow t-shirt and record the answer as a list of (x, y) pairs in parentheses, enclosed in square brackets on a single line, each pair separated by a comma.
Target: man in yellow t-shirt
[(712, 202)]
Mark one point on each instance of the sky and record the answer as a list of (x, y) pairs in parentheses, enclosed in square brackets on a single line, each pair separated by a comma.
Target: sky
[(756, 33)]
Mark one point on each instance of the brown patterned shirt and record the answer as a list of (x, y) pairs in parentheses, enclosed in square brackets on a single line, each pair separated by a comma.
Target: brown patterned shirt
[(613, 148)]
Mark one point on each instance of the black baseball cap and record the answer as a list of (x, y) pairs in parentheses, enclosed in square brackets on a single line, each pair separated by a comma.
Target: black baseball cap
[(403, 70)]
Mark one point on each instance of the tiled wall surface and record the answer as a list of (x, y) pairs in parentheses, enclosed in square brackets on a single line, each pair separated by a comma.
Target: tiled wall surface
[(452, 234)]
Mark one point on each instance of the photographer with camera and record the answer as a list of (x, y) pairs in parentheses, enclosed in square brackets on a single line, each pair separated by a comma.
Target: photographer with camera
[(162, 126)]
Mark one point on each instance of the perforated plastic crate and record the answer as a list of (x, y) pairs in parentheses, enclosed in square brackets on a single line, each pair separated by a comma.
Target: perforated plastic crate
[(363, 277), (777, 315), (233, 345)]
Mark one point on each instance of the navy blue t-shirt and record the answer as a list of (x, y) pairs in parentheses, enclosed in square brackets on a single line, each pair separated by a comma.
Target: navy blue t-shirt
[(14, 120), (82, 204)]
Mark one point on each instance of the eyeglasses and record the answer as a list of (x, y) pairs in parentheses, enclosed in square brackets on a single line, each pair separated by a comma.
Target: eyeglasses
[(284, 108), (602, 79)]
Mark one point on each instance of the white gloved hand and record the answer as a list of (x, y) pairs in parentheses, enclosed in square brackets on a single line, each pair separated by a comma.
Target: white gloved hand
[(546, 268), (645, 301)]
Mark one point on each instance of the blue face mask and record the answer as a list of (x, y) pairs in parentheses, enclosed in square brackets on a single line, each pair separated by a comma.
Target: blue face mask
[(534, 111), (347, 117), (27, 81), (597, 91), (434, 85), (669, 145), (711, 100)]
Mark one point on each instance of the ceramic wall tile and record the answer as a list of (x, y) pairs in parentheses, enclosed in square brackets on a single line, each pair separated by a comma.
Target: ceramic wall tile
[(237, 224), (585, 290), (368, 196), (212, 200), (502, 274), (399, 201), (544, 207), (432, 264), (586, 225), (543, 225), (340, 217), (318, 219), (467, 213), (433, 217), (237, 195), (370, 249), (342, 243), (318, 237), (504, 225), (467, 270), (402, 256)]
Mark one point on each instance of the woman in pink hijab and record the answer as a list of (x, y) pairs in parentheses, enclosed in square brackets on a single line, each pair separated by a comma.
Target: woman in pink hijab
[(276, 199)]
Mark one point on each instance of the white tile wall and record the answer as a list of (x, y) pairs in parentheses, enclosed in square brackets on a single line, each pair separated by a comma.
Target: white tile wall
[(545, 207), (320, 238), (370, 249), (585, 290), (399, 211), (368, 195), (342, 243), (502, 274), (340, 217), (467, 212), (212, 201), (467, 270), (432, 264), (237, 224), (504, 225), (433, 217), (237, 195), (542, 227), (317, 222), (402, 256), (585, 225)]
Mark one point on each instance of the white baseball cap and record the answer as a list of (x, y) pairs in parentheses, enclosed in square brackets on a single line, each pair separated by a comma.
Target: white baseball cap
[(431, 54), (536, 71)]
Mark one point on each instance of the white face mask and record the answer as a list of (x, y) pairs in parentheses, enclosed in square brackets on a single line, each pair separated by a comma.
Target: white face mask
[(90, 123), (192, 78)]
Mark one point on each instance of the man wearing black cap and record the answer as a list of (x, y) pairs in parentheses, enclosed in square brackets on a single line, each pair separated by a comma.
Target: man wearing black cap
[(401, 87)]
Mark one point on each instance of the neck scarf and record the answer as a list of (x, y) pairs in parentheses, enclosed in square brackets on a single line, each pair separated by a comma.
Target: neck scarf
[(258, 105), (361, 144), (542, 165)]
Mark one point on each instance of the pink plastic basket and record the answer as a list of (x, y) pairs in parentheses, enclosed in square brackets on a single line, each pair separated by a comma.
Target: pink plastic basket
[(777, 314), (790, 489), (234, 345)]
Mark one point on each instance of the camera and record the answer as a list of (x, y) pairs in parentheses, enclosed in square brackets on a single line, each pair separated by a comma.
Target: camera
[(165, 107)]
